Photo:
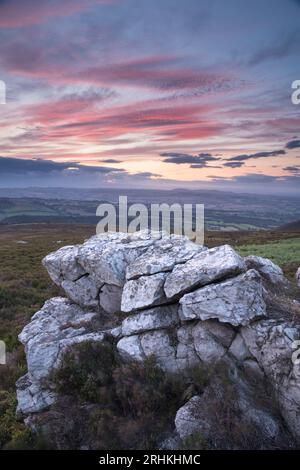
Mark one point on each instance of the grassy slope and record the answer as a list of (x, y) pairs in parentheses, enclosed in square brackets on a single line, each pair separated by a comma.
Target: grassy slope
[(25, 285), (285, 253)]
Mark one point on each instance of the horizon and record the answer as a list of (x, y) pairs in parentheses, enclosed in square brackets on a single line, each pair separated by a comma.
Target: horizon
[(233, 191)]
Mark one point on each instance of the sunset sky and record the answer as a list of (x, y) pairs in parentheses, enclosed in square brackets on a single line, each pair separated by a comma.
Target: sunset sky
[(150, 93)]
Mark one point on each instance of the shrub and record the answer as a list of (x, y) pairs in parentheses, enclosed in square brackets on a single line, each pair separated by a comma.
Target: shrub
[(133, 403), (86, 372)]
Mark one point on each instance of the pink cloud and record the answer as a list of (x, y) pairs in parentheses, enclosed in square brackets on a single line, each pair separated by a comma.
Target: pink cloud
[(69, 122)]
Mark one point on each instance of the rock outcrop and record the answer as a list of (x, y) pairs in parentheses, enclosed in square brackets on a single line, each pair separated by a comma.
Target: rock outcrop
[(159, 295)]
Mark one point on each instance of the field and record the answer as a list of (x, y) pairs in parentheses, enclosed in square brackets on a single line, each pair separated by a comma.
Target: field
[(25, 285)]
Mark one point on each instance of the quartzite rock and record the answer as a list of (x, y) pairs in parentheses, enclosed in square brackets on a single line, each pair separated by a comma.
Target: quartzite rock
[(204, 268), (237, 301)]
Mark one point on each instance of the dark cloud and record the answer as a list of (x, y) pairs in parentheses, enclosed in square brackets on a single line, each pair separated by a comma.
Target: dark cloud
[(234, 164), (203, 165), (16, 172), (292, 169), (110, 160), (279, 49), (200, 159), (146, 175), (244, 157), (47, 167), (256, 178), (293, 144)]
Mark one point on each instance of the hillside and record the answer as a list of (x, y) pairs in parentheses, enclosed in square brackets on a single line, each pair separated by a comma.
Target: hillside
[(291, 227), (224, 211)]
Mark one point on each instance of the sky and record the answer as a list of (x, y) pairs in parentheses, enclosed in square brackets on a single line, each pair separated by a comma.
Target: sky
[(150, 94)]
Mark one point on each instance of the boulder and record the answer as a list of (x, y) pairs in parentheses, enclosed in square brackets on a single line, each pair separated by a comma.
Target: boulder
[(157, 295), (160, 344), (162, 256), (209, 340), (83, 291), (146, 291), (189, 421), (130, 348), (63, 264), (205, 267), (110, 297), (272, 344), (269, 271), (31, 397), (224, 416), (239, 349), (156, 344), (237, 301), (151, 319), (174, 350), (52, 331)]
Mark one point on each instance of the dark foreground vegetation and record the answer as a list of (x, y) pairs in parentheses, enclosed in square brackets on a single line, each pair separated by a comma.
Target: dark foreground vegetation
[(24, 287)]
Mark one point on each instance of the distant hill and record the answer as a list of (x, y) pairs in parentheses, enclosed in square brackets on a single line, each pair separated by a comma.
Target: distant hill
[(223, 210), (291, 227)]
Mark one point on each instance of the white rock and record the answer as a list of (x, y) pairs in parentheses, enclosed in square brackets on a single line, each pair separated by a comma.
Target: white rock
[(151, 319), (108, 255), (205, 341), (110, 298), (207, 348), (116, 332), (236, 301), (139, 273), (224, 334), (83, 291), (58, 319), (272, 344), (155, 344), (268, 270), (239, 349), (63, 264), (104, 259), (159, 344), (130, 348), (162, 256), (188, 419), (52, 331), (208, 340), (146, 291), (199, 416), (204, 268), (31, 397)]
